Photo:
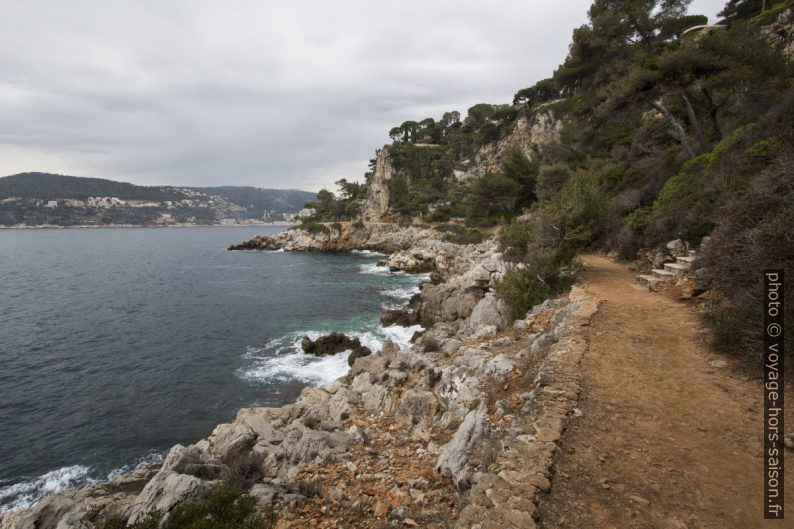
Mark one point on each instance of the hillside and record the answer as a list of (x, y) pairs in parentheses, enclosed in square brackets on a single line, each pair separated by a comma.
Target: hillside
[(654, 128), (35, 199), (277, 201), (46, 186)]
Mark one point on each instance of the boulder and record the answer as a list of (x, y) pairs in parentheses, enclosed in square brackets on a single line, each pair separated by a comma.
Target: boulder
[(165, 491), (330, 344), (447, 302), (454, 457), (402, 317), (64, 510), (358, 352), (265, 493), (304, 446), (499, 367), (676, 248), (490, 310), (416, 405)]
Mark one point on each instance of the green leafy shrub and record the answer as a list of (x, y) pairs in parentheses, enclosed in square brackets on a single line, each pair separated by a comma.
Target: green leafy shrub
[(514, 239), (490, 198), (577, 214), (224, 508), (546, 272), (460, 234), (753, 233), (551, 178), (314, 228)]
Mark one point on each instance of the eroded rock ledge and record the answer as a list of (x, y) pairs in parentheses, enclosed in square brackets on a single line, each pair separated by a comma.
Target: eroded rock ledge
[(460, 426)]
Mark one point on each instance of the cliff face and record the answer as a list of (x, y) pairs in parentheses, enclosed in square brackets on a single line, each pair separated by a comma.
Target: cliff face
[(528, 135), (376, 204), (781, 32)]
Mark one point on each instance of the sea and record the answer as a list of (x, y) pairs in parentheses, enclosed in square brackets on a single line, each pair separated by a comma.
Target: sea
[(117, 343)]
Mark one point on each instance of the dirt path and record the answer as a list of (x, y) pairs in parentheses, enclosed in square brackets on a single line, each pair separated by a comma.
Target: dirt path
[(665, 438)]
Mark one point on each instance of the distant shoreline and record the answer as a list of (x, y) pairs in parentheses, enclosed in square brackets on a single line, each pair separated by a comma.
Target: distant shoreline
[(89, 226)]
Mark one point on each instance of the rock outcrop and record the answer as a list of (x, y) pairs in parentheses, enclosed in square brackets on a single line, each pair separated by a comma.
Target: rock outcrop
[(780, 31), (376, 204), (528, 136), (473, 405), (344, 237), (329, 344)]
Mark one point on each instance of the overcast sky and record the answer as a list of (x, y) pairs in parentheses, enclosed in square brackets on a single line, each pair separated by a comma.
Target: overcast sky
[(253, 92)]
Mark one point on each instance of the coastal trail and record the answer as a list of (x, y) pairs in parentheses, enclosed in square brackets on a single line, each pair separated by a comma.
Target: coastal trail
[(670, 433)]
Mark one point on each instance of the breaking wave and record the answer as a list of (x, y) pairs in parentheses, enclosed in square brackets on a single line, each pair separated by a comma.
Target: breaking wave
[(25, 494)]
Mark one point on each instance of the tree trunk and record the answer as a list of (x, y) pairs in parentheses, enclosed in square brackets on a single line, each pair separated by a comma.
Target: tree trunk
[(712, 110), (693, 120), (678, 130)]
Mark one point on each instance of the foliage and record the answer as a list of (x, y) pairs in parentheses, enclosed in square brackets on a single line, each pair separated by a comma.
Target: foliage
[(520, 169), (257, 200), (575, 216), (752, 234), (491, 197), (329, 207), (314, 228), (430, 171), (460, 234), (224, 508), (546, 272), (515, 238), (46, 186), (540, 92), (551, 178)]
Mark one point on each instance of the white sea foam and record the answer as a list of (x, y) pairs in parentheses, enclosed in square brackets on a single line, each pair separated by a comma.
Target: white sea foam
[(25, 494), (368, 252), (401, 293), (374, 269), (282, 359), (310, 369), (147, 460)]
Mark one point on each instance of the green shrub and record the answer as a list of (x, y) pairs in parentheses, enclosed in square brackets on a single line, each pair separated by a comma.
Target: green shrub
[(224, 508), (514, 239), (460, 234), (547, 272), (753, 234), (490, 198), (314, 228), (577, 214)]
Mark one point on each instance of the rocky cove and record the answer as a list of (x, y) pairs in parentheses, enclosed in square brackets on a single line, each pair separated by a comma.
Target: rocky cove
[(460, 426)]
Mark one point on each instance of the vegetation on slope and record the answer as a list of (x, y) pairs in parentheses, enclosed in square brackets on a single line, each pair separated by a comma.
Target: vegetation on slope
[(224, 508), (665, 135), (46, 186)]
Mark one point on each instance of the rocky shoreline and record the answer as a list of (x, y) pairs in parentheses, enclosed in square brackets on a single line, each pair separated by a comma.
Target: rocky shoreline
[(459, 426)]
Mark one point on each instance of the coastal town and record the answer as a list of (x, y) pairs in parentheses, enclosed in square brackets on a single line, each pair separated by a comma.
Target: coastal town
[(33, 201)]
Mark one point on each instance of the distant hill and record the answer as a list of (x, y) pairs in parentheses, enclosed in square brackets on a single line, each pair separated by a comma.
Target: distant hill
[(278, 201), (38, 199), (46, 186)]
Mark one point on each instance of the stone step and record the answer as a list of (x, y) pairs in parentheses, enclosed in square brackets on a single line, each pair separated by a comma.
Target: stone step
[(677, 268), (685, 260), (662, 274), (692, 253), (648, 281)]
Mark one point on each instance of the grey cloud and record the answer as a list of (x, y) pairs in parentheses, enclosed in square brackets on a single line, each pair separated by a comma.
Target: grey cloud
[(245, 92)]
